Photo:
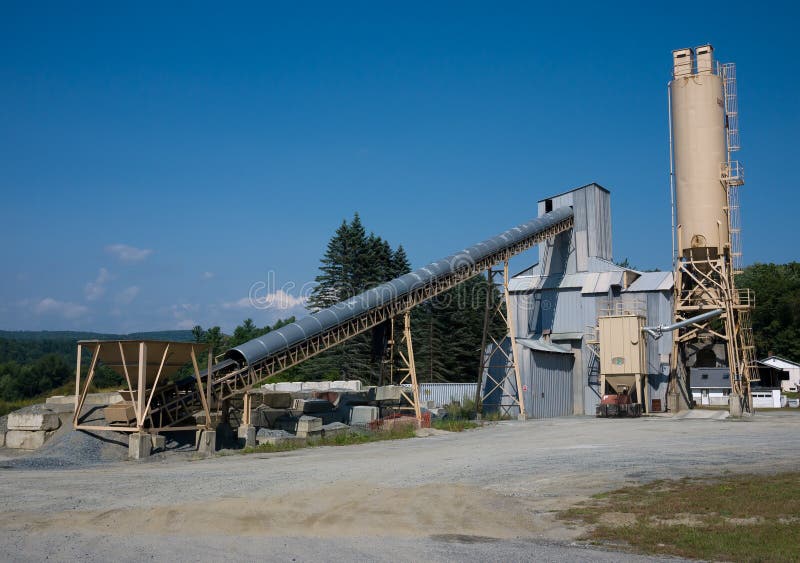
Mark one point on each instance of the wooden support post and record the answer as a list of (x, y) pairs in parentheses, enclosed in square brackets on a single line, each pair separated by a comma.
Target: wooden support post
[(246, 400), (89, 378), (208, 377), (78, 380), (200, 388), (412, 367), (512, 334), (141, 385)]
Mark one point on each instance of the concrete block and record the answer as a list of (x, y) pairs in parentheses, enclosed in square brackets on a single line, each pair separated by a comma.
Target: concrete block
[(268, 386), (158, 442), (2, 439), (363, 415), (62, 409), (389, 393), (60, 400), (265, 417), (354, 385), (26, 439), (316, 385), (277, 400), (274, 437), (140, 445), (308, 426), (248, 434), (289, 386), (335, 429), (41, 420), (207, 442)]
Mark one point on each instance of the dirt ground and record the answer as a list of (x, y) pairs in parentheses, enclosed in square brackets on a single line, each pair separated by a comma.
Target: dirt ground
[(487, 494)]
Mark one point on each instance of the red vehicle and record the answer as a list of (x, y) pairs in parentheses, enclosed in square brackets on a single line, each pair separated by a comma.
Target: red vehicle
[(618, 405)]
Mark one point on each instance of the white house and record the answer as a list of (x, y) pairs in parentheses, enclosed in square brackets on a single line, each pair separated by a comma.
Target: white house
[(793, 384)]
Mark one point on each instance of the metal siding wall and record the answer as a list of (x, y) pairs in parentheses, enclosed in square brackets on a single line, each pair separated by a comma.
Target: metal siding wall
[(568, 311), (551, 375), (445, 393)]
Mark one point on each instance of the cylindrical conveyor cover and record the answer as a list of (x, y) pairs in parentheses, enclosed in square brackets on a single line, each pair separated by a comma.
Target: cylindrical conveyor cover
[(285, 337)]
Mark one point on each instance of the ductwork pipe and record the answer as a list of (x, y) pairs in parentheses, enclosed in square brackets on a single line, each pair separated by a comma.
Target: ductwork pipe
[(658, 331)]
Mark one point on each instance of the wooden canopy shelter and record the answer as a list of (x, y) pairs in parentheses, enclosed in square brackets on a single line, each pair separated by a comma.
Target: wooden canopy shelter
[(151, 402)]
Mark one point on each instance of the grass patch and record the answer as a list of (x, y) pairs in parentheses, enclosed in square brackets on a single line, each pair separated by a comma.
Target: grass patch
[(732, 518), (397, 432), (453, 424)]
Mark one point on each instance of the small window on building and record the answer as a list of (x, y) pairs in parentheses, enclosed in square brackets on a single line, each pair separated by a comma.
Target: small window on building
[(704, 376), (726, 376), (548, 205)]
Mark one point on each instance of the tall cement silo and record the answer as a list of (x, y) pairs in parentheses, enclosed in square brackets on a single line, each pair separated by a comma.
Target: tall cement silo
[(704, 134)]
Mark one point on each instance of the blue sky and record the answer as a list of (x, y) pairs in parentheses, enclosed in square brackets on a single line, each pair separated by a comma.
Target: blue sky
[(158, 159)]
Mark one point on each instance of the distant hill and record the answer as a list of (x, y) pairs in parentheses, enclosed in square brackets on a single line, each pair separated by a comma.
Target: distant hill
[(176, 335), (27, 346)]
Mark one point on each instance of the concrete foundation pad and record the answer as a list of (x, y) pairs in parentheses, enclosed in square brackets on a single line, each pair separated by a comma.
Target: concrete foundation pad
[(140, 445), (26, 439), (43, 420), (309, 426), (158, 442), (206, 442), (248, 434)]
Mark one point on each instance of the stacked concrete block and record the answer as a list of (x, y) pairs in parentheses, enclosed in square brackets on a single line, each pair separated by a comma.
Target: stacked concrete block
[(335, 429), (40, 419), (26, 439), (389, 393), (289, 386), (29, 429), (363, 415), (354, 385), (309, 426)]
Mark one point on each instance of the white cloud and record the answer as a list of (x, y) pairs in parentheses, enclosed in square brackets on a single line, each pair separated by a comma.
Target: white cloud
[(127, 295), (207, 275), (128, 253), (276, 300), (65, 309), (96, 289)]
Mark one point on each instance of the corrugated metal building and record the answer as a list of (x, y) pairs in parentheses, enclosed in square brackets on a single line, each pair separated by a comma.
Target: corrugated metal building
[(557, 302)]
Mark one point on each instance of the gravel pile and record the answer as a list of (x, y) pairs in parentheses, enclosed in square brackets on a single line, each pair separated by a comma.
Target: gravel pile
[(75, 449)]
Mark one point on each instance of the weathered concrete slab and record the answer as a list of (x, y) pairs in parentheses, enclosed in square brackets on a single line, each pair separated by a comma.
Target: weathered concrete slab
[(248, 434), (158, 442), (93, 399), (335, 429), (309, 426), (140, 445), (289, 386), (316, 385), (363, 415), (389, 393), (354, 385), (206, 442), (26, 439), (275, 437), (43, 419)]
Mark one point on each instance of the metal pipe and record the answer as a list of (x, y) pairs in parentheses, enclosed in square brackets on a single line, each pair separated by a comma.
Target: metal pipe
[(658, 331)]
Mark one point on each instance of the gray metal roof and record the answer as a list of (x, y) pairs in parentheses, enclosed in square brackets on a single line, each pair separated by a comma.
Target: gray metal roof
[(539, 345), (652, 281), (282, 339), (600, 282)]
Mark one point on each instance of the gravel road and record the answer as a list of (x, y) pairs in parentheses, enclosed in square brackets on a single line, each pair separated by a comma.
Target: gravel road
[(482, 495)]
